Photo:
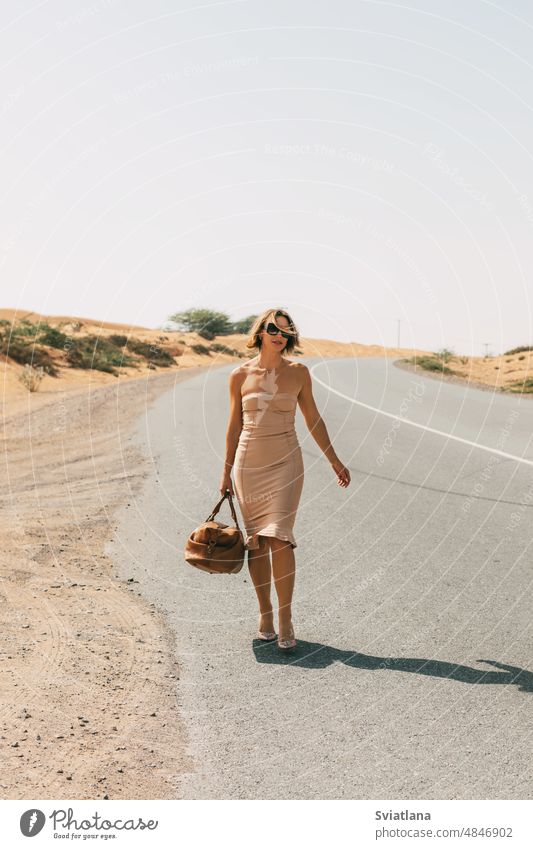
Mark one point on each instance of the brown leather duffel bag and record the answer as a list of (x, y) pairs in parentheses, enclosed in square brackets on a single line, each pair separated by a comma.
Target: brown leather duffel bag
[(215, 547)]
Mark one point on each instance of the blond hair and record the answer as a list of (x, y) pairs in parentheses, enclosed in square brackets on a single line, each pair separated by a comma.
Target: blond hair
[(254, 339)]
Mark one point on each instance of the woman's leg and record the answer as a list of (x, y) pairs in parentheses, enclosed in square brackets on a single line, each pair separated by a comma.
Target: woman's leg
[(261, 575), (283, 568)]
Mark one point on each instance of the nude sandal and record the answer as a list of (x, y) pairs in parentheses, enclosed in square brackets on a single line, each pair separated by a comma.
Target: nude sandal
[(266, 636), (288, 643)]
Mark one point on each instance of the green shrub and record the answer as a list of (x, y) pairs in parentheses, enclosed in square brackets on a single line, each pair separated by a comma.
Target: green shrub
[(200, 349), (41, 331), (26, 352), (53, 337), (97, 352), (152, 353), (224, 349), (25, 327), (118, 340), (147, 350), (522, 386), (89, 352), (429, 364), (444, 354)]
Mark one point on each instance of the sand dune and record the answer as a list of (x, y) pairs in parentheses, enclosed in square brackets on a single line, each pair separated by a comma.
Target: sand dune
[(90, 325)]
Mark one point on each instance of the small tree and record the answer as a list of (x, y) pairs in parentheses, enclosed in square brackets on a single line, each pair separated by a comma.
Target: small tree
[(207, 323), (243, 325)]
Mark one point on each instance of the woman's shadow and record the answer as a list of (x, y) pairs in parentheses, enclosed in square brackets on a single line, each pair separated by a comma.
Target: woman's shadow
[(318, 656)]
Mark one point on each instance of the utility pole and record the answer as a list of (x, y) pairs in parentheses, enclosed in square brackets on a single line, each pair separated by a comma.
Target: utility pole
[(398, 333), (486, 344)]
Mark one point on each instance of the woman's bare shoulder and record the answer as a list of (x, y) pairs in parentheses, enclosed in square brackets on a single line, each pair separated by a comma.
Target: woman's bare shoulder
[(237, 376), (299, 368), (300, 375), (242, 368)]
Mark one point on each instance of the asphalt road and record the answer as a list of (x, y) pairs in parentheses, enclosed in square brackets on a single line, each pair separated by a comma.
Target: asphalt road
[(413, 676)]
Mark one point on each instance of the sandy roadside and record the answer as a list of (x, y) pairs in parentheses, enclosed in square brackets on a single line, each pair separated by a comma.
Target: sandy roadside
[(496, 387), (88, 676)]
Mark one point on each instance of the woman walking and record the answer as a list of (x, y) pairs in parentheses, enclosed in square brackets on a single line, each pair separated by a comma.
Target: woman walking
[(262, 447)]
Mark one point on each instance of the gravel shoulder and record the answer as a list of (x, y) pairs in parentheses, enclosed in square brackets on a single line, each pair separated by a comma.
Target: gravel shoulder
[(88, 680)]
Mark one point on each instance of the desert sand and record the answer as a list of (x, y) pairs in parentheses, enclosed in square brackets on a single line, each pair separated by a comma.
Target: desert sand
[(89, 680), (89, 677)]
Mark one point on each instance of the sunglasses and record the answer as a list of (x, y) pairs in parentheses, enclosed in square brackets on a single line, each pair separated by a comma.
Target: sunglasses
[(272, 330)]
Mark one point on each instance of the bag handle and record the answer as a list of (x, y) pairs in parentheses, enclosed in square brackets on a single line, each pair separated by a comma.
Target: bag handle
[(227, 495)]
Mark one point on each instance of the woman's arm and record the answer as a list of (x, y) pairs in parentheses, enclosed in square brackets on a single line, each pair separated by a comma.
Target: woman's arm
[(317, 427), (233, 430)]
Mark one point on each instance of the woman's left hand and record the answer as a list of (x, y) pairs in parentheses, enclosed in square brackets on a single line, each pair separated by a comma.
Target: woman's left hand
[(343, 474)]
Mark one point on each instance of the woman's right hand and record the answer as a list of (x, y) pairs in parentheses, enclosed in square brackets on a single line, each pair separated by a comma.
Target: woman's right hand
[(226, 483)]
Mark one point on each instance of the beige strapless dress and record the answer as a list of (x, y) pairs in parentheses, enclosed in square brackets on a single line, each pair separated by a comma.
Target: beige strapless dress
[(268, 469)]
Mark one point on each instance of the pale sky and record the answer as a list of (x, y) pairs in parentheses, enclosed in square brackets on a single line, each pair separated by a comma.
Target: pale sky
[(357, 163)]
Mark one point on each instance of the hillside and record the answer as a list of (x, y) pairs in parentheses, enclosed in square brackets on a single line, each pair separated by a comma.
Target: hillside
[(76, 351)]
